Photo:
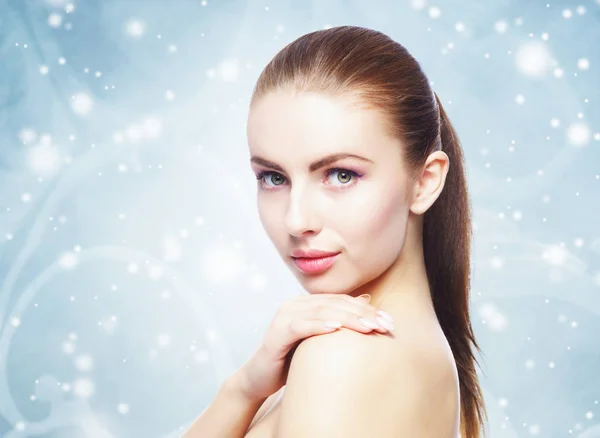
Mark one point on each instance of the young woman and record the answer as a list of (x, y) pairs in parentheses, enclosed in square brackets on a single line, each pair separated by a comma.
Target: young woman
[(361, 189)]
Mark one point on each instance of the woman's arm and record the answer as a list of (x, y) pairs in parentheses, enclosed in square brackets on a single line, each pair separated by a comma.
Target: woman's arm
[(229, 415)]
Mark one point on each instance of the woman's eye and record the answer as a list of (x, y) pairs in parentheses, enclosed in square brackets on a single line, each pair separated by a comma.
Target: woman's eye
[(344, 176), (276, 178)]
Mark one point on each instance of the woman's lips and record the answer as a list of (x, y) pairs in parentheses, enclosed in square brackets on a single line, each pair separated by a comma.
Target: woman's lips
[(315, 265)]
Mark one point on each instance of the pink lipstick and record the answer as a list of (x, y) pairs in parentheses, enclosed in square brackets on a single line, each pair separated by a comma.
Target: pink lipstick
[(317, 264)]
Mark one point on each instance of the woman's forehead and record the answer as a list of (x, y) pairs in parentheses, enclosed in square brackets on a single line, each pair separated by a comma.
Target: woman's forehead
[(312, 122)]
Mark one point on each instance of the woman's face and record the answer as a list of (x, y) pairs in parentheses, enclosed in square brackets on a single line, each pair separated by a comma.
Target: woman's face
[(357, 207)]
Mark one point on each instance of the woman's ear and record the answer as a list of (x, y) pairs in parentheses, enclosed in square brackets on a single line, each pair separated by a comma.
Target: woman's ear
[(430, 182)]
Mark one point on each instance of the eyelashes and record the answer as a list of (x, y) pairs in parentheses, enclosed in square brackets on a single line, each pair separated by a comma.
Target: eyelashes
[(355, 176)]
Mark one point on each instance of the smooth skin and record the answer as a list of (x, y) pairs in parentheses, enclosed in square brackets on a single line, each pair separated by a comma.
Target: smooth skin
[(347, 383)]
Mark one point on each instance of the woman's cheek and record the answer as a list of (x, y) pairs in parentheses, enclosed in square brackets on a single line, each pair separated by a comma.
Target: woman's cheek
[(378, 225)]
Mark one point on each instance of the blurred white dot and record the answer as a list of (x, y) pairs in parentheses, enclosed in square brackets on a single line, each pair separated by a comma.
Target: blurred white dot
[(501, 26), (221, 264), (558, 72), (123, 408), (172, 250), (211, 73), (134, 133), (519, 99), (211, 335), (109, 324), (15, 321), (118, 137), (228, 70), (135, 28), (132, 268), (43, 160), (418, 4), (496, 321), (54, 20), (68, 260), (555, 255), (435, 12), (163, 340), (567, 13), (578, 134), (152, 127), (27, 135), (83, 388), (529, 364), (201, 356), (534, 429), (583, 63), (532, 58), (555, 123), (26, 197), (578, 242), (155, 272), (169, 95), (81, 104), (84, 363)]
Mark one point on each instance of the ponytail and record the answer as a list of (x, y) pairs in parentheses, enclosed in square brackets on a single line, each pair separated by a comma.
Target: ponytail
[(446, 246)]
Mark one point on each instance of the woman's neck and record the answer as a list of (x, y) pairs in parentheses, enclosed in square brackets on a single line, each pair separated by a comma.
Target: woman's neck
[(404, 284)]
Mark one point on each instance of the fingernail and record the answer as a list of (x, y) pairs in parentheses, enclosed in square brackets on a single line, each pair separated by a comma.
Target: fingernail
[(385, 315), (385, 323), (365, 297), (368, 323), (333, 324)]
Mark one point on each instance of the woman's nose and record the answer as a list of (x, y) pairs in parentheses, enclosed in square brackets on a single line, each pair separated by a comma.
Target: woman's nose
[(301, 217)]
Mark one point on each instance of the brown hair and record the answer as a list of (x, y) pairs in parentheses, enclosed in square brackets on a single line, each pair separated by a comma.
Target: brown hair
[(380, 73)]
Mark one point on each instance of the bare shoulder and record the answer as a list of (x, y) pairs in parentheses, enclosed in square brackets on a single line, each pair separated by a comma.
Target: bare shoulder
[(351, 384), (431, 363)]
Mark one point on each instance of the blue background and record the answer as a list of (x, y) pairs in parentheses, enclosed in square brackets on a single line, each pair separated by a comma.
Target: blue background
[(134, 272)]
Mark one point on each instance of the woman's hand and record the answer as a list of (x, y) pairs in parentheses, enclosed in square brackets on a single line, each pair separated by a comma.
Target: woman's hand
[(299, 318)]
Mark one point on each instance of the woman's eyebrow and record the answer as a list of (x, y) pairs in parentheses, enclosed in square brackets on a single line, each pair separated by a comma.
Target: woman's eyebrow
[(325, 161)]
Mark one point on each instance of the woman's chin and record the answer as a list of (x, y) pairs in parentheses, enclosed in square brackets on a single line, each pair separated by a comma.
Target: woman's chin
[(317, 287)]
